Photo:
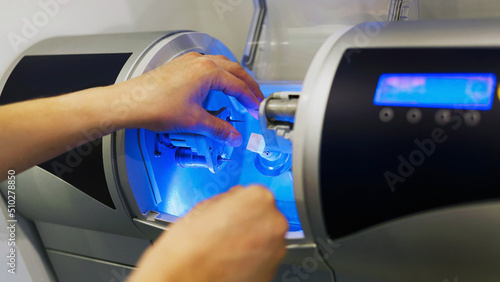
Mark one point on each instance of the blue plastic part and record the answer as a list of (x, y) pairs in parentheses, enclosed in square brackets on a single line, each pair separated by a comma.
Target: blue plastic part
[(177, 190), (469, 91)]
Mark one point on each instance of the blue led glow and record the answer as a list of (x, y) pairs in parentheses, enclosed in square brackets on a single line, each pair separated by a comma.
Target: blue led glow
[(470, 91), (180, 189)]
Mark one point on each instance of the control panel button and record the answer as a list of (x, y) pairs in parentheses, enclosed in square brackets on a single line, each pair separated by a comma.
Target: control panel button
[(443, 117), (414, 116), (386, 115), (472, 118)]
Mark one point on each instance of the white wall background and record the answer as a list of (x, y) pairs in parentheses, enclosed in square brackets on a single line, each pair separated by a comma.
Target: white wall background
[(227, 20)]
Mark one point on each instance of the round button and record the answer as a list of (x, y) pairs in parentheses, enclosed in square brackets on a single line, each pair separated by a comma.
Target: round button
[(472, 118), (414, 116), (443, 117), (386, 115)]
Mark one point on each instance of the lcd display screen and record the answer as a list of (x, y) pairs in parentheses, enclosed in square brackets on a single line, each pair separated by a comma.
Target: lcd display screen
[(470, 91)]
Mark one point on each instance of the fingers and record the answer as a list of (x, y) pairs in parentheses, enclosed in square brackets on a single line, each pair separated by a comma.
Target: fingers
[(232, 86), (185, 83), (238, 71), (265, 196), (234, 81), (218, 130)]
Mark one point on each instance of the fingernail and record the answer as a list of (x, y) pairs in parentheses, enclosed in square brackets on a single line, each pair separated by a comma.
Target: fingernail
[(234, 139)]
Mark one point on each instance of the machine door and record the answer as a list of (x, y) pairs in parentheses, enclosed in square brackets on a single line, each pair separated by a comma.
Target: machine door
[(164, 175)]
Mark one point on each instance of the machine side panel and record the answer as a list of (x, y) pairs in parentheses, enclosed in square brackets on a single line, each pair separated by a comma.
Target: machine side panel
[(92, 244), (82, 269)]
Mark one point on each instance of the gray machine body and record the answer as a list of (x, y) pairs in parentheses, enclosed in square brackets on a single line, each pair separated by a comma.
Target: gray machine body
[(439, 244)]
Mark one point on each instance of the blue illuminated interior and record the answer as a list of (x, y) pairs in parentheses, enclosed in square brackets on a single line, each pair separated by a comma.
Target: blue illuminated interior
[(470, 91), (175, 190)]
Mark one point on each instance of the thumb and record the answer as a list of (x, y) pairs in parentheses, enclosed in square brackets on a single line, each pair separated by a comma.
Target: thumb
[(219, 130)]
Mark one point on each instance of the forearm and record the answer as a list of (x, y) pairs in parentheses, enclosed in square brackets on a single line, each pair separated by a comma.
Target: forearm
[(167, 99), (38, 130)]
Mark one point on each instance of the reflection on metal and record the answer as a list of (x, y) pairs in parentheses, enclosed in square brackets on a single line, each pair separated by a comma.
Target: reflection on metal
[(281, 110), (198, 151), (403, 10), (273, 148), (259, 16), (277, 116), (273, 163), (185, 157)]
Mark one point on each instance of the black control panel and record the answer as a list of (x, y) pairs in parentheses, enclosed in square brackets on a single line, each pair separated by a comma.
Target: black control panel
[(385, 158), (52, 75)]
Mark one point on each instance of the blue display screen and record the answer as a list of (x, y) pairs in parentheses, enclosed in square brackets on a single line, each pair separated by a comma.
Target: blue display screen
[(470, 91)]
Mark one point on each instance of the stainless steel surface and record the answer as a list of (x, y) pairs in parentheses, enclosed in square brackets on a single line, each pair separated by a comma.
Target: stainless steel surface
[(198, 151), (281, 110), (276, 117), (73, 268), (460, 242), (186, 158), (93, 244)]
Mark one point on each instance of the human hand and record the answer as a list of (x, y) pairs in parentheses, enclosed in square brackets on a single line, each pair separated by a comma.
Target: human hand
[(176, 90), (167, 99), (235, 236)]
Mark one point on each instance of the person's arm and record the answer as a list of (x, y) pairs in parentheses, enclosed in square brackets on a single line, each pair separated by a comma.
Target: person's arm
[(167, 99), (236, 236)]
